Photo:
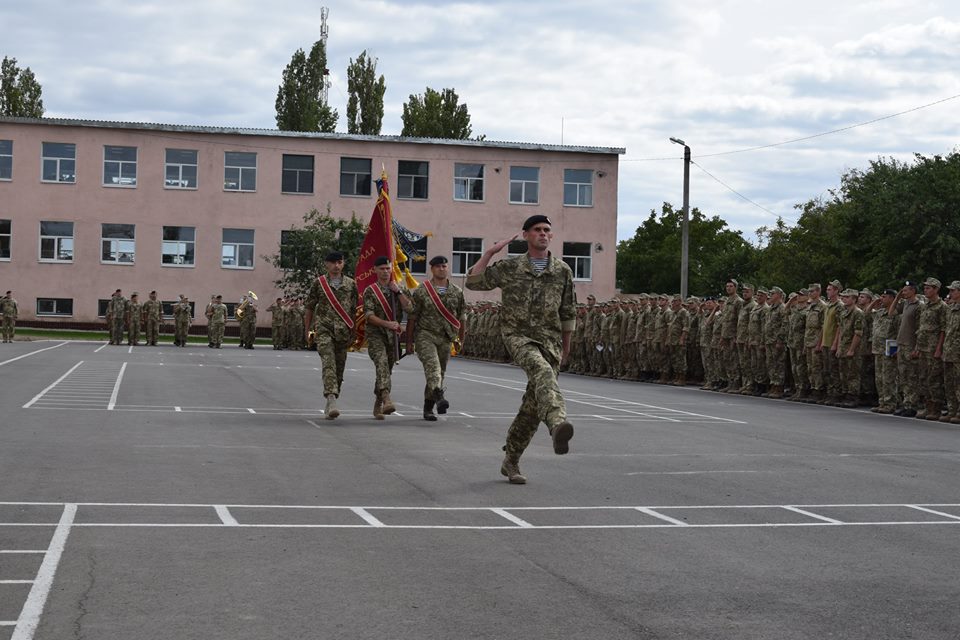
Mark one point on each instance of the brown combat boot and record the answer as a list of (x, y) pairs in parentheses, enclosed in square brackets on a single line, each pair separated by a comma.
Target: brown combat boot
[(776, 392), (387, 403), (510, 467), (946, 418), (378, 408), (331, 412), (933, 411)]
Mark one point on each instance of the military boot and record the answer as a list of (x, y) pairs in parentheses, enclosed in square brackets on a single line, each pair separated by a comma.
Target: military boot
[(387, 403), (933, 411), (849, 401), (921, 414), (561, 435), (511, 468), (428, 413), (442, 403), (331, 412), (776, 392), (378, 408)]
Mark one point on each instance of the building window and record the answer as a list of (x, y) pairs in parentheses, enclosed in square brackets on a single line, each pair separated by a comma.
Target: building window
[(59, 162), (412, 179), (466, 252), (418, 266), (525, 185), (578, 187), (289, 247), (180, 170), (237, 249), (6, 159), (5, 237), (119, 166), (231, 310), (166, 307), (468, 182), (178, 246), (517, 248), (54, 306), (118, 243), (577, 256), (56, 241), (297, 174), (355, 176), (102, 308), (239, 171)]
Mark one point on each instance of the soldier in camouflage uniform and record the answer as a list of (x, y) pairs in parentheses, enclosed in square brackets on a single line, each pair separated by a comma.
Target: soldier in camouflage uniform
[(775, 327), (539, 316), (152, 316), (931, 329), (695, 372), (383, 331), (216, 322), (831, 364), (248, 324), (906, 305), (812, 336), (661, 329), (8, 311), (743, 340), (705, 340), (868, 388), (728, 336), (206, 312), (276, 324), (951, 355), (885, 365), (797, 319), (116, 315), (755, 345), (433, 326), (846, 346), (333, 333), (678, 331), (134, 317), (182, 317)]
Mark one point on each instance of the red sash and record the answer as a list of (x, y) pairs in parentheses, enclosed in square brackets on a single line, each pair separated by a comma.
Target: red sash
[(387, 309), (438, 303), (332, 299)]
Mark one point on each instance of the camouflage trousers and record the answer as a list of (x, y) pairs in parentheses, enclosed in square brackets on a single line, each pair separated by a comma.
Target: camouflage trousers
[(868, 386), (116, 332), (758, 362), (815, 368), (151, 331), (542, 401), (776, 358), (434, 353), (907, 372), (215, 331), (798, 366), (848, 369), (885, 373), (831, 372), (333, 360), (248, 333), (382, 352), (678, 360), (180, 330), (951, 387), (9, 323), (276, 335), (746, 368), (931, 378), (133, 333), (731, 363)]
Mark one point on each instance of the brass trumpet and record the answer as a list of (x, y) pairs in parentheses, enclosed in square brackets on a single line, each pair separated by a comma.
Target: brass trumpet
[(241, 309)]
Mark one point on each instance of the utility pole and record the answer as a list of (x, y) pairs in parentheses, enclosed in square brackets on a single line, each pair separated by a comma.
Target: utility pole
[(685, 233)]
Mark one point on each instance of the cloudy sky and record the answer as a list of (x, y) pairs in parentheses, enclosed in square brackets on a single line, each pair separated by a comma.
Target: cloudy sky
[(724, 75)]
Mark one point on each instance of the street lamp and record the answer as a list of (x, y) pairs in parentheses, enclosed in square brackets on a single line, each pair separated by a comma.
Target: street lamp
[(685, 237)]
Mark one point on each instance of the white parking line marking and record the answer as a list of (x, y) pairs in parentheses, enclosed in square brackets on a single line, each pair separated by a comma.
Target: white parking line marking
[(225, 516), (26, 551), (40, 395), (656, 514), (105, 344), (30, 614), (177, 409), (936, 513), (116, 387), (367, 517), (32, 353), (520, 522), (249, 410), (695, 473), (813, 515)]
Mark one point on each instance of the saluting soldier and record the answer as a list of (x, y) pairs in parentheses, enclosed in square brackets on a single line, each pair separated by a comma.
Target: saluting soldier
[(435, 322), (907, 306), (885, 328), (774, 342), (182, 317), (931, 327), (329, 313), (152, 314), (116, 316), (812, 337), (383, 331), (846, 347), (276, 324), (248, 323), (9, 311)]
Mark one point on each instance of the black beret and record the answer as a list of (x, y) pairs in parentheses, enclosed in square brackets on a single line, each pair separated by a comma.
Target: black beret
[(537, 219), (435, 260), (382, 260), (334, 256), (889, 292)]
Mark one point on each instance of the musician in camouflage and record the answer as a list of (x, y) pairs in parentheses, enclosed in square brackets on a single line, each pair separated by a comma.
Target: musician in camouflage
[(152, 314)]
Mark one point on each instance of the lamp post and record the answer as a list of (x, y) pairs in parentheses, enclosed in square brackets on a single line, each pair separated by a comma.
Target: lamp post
[(685, 236)]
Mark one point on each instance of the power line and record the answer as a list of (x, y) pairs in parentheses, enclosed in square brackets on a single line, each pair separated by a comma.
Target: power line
[(734, 191)]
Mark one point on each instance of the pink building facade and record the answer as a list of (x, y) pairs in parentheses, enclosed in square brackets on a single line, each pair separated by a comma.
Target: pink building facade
[(87, 207)]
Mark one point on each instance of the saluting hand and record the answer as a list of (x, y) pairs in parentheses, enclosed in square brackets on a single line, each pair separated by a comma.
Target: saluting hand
[(498, 247)]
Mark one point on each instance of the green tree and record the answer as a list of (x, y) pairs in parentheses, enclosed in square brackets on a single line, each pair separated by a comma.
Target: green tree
[(365, 105), (650, 260), (299, 256), (20, 93), (436, 115), (300, 105)]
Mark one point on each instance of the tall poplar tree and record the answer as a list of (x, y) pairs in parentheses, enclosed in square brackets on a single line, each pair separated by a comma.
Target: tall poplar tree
[(19, 91), (365, 105), (300, 106)]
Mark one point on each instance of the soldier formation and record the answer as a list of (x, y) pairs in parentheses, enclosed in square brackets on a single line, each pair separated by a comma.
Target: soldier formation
[(897, 352)]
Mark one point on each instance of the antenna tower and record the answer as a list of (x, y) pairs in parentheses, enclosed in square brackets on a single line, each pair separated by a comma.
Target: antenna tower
[(324, 31)]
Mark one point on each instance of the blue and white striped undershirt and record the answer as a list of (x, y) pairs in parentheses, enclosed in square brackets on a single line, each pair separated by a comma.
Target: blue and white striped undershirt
[(539, 264)]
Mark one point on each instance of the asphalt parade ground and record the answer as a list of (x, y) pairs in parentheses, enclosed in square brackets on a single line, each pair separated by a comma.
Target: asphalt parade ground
[(158, 493)]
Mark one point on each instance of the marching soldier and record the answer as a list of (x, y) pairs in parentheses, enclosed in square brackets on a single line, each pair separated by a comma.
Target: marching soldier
[(435, 323), (9, 311), (152, 314), (329, 313), (182, 317), (383, 331), (134, 315)]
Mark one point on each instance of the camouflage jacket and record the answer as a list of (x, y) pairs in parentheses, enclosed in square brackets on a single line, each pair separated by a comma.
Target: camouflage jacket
[(951, 340), (743, 321), (152, 310), (849, 324), (679, 324), (134, 313), (755, 327), (218, 314), (8, 307), (797, 319), (429, 318), (930, 324), (884, 328), (182, 313), (813, 328), (775, 325), (276, 317), (325, 317), (116, 309), (731, 314)]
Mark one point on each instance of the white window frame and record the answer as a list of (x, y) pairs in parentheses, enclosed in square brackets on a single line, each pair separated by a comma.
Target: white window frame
[(55, 313), (358, 178), (178, 183), (3, 155), (58, 242), (126, 169), (467, 182), (58, 160), (524, 186), (9, 236), (580, 189), (241, 171), (181, 247), (311, 172), (236, 250), (115, 245), (579, 259), (412, 179), (467, 254)]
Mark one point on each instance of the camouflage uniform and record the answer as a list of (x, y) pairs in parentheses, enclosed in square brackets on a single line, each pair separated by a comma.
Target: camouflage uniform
[(885, 367), (812, 333), (152, 312), (743, 343), (537, 310), (678, 330), (797, 319), (907, 367), (951, 359), (248, 326), (332, 335), (434, 335), (849, 328), (276, 325), (831, 365), (216, 323), (8, 310), (755, 344), (116, 315), (931, 326), (381, 343), (728, 334), (134, 319), (182, 315), (774, 342)]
